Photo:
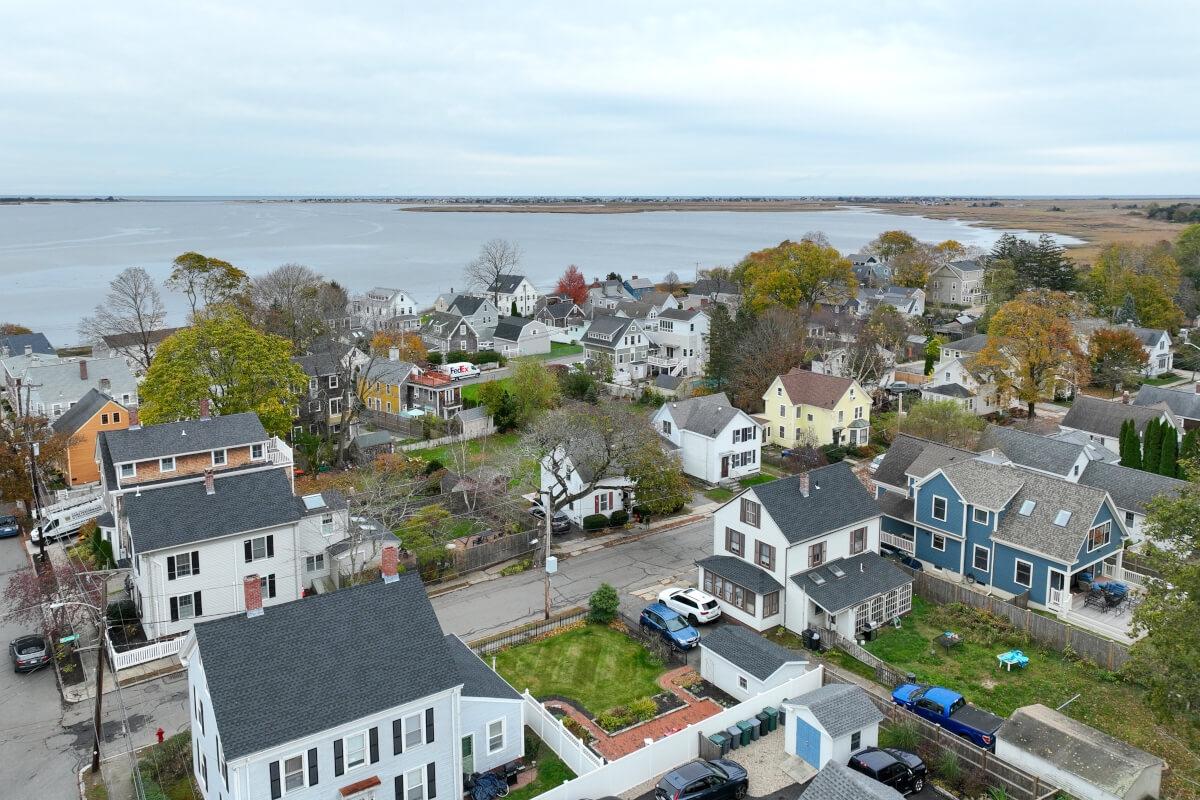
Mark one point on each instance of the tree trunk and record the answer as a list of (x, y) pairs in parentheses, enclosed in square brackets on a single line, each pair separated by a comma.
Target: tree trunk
[(1032, 408)]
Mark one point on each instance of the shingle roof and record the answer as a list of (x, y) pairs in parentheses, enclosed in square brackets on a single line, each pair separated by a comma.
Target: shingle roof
[(1031, 450), (17, 342), (899, 457), (665, 381), (613, 326), (836, 781), (841, 708), (1130, 489), (466, 305), (1183, 404), (188, 436), (680, 314), (934, 456), (814, 389), (560, 310), (87, 407), (506, 284), (635, 308), (1105, 418), (390, 373), (316, 365), (989, 486), (863, 576), (744, 648), (61, 382), (347, 655), (174, 516), (895, 505), (706, 415), (971, 344), (1037, 531), (477, 678), (836, 499), (510, 328), (743, 573), (119, 340), (949, 390), (1078, 749)]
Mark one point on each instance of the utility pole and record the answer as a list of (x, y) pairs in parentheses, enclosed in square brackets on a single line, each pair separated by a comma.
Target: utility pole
[(102, 638), (23, 416), (548, 507)]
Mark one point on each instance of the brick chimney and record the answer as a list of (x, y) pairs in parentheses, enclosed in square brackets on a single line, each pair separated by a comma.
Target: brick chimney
[(803, 481), (135, 423), (252, 588), (83, 369), (204, 408), (210, 484), (388, 564)]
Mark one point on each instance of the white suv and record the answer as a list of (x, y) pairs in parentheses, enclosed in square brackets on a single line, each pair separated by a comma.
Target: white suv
[(693, 604)]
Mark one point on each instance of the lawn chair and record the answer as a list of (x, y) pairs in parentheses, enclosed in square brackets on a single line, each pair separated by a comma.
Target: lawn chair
[(1013, 658), (1096, 599)]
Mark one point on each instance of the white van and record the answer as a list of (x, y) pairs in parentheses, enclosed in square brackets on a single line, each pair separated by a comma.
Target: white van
[(459, 370), (67, 520)]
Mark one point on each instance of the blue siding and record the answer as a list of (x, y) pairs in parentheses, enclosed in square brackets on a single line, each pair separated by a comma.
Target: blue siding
[(978, 534), (923, 511), (951, 559), (1106, 514), (893, 525), (1003, 571)]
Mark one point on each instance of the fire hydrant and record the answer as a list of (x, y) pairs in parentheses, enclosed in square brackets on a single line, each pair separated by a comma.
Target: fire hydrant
[(160, 733)]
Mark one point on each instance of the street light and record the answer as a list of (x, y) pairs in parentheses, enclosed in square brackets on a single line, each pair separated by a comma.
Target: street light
[(103, 639)]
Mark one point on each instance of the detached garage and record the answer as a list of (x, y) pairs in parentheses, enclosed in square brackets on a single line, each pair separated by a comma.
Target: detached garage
[(830, 723), (745, 664)]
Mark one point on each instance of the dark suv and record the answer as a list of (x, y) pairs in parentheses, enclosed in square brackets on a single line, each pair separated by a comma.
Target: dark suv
[(704, 780), (904, 772)]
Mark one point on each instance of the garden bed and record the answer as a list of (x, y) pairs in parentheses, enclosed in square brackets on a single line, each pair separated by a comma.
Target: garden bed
[(703, 690)]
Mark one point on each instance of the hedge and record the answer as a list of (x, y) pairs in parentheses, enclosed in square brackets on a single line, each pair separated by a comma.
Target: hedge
[(619, 517), (594, 522)]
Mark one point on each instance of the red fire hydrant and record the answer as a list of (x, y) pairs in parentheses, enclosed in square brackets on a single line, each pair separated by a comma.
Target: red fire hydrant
[(160, 733)]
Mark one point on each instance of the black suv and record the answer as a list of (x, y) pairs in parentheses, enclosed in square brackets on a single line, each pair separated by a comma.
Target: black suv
[(902, 771)]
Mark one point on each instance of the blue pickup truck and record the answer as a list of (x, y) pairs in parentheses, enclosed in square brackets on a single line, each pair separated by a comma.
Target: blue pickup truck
[(948, 709)]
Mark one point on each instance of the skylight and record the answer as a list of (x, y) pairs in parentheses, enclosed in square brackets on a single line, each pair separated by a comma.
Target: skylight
[(837, 572), (818, 579), (313, 502), (1062, 518), (1027, 508)]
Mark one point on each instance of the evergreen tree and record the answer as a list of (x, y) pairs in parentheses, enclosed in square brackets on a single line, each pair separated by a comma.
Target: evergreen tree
[(1123, 443), (1151, 446), (1127, 312), (1131, 446), (513, 311), (1167, 463), (1052, 269), (1190, 448)]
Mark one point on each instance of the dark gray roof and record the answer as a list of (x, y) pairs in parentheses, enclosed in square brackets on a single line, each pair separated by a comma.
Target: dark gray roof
[(1031, 450), (17, 342), (561, 309), (106, 520), (841, 708), (443, 323), (347, 655), (1105, 418), (985, 484), (1182, 404), (836, 499), (664, 381), (706, 415), (743, 573), (372, 439), (1149, 337), (188, 436), (316, 365), (472, 414), (106, 462), (466, 305), (1130, 489), (863, 576), (389, 373), (174, 516), (899, 457), (1037, 531), (680, 314), (117, 341), (477, 678), (744, 648), (81, 412), (949, 390), (895, 505), (510, 328), (971, 344), (506, 283), (836, 781), (613, 326)]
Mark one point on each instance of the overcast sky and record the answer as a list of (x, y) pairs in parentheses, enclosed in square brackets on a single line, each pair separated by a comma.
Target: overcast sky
[(790, 98)]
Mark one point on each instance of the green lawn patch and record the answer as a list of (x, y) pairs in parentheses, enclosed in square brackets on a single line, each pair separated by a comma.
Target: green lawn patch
[(719, 494), (478, 450), (755, 480), (471, 391), (594, 665), (1161, 380), (551, 771), (559, 349)]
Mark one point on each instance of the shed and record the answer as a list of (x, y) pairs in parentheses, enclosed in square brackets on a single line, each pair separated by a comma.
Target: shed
[(744, 664), (831, 723), (474, 422), (1077, 757), (836, 781)]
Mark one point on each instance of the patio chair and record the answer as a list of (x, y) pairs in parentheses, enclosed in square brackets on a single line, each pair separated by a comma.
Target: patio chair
[(1095, 599), (1013, 658)]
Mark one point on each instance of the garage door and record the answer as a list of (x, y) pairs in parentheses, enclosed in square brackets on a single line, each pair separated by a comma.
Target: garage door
[(808, 743)]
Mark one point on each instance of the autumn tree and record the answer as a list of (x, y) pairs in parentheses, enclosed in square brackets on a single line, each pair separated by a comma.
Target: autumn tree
[(1031, 346), (795, 275), (408, 344), (911, 267), (890, 244), (1148, 273), (205, 280), (1116, 357), (662, 488), (497, 258), (16, 432), (534, 389), (773, 343), (573, 285), (13, 329), (1187, 253), (132, 310), (224, 359)]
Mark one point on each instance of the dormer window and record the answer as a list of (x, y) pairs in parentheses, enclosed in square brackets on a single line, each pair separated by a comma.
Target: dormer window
[(128, 470), (219, 458), (256, 452)]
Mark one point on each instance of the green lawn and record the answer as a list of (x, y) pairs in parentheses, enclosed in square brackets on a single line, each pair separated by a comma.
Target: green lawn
[(551, 772), (755, 480), (559, 349), (488, 447), (471, 391), (720, 494), (1166, 378), (594, 665)]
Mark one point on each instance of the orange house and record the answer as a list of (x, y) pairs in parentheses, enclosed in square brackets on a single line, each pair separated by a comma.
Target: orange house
[(93, 413)]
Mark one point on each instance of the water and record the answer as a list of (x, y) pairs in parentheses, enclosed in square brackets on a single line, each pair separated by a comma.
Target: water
[(56, 259)]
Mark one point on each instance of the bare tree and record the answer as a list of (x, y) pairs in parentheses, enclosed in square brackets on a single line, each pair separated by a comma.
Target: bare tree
[(205, 280), (816, 237), (497, 258), (775, 344), (287, 303), (387, 497), (131, 313), (671, 282)]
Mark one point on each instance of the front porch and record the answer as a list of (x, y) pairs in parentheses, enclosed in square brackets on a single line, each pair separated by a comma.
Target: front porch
[(1104, 613)]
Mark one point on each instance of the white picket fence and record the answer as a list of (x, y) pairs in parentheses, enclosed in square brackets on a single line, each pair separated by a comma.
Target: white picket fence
[(669, 752), (574, 753), (899, 542), (150, 652)]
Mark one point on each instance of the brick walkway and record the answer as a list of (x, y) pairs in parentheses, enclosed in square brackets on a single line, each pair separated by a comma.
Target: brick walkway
[(614, 746)]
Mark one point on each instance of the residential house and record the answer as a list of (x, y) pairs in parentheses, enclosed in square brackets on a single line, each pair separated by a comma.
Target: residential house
[(606, 294), (445, 332), (836, 781), (957, 283), (803, 407), (955, 380), (521, 336), (830, 724), (50, 386), (376, 721), (480, 312), (1050, 455), (870, 270), (561, 314), (381, 306), (400, 388), (1184, 404), (1155, 342), (1101, 420), (638, 286), (130, 346), (714, 290), (678, 342), (1131, 491), (623, 341), (965, 349), (957, 329), (743, 664), (513, 291), (330, 392), (843, 362), (83, 422), (611, 493), (803, 552), (715, 440), (908, 301), (17, 344)]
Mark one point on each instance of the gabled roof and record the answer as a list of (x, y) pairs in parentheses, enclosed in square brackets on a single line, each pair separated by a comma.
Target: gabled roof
[(511, 328), (317, 365), (706, 415), (971, 344), (744, 648), (986, 485), (711, 286), (506, 284), (389, 373), (466, 305), (836, 499), (954, 390), (188, 436), (1182, 404), (836, 781), (1037, 530), (932, 457), (346, 654), (635, 309), (478, 679), (862, 577), (1030, 450), (1130, 489), (120, 340), (814, 389), (841, 708), (17, 342), (561, 309), (612, 326), (905, 450), (88, 406), (743, 573), (1102, 417), (61, 381), (682, 314)]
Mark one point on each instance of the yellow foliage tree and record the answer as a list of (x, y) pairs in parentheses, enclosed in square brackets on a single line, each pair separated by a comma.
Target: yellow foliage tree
[(1149, 273), (411, 348), (795, 275)]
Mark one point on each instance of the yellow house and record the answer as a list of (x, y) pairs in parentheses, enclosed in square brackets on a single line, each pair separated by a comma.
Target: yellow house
[(804, 407), (94, 412)]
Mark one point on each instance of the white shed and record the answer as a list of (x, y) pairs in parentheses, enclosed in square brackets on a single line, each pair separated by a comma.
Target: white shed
[(1077, 757), (836, 781), (830, 723), (743, 664)]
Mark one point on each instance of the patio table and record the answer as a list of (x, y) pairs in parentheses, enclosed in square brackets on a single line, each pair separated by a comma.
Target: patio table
[(1013, 658), (950, 639)]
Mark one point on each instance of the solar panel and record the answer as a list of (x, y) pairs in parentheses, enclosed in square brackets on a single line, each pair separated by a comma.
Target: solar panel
[(1027, 507)]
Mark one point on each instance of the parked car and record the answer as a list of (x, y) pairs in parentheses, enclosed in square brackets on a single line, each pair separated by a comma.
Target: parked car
[(704, 780), (875, 462), (29, 653), (904, 772), (672, 627), (560, 523), (950, 710), (9, 526), (694, 604)]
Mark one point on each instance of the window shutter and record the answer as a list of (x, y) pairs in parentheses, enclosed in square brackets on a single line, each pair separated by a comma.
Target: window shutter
[(276, 789), (430, 781), (170, 568), (429, 725), (312, 767), (339, 763), (400, 787), (271, 585), (270, 545), (397, 737), (611, 502), (174, 609), (249, 547), (196, 604), (374, 744), (195, 562), (597, 500)]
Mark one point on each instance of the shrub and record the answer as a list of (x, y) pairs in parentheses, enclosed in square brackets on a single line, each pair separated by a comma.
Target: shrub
[(615, 718), (515, 569), (171, 760), (997, 793), (902, 736), (603, 605), (948, 768), (434, 466), (455, 356), (151, 790), (619, 517), (833, 453), (487, 357), (643, 709), (434, 358), (594, 522), (576, 727)]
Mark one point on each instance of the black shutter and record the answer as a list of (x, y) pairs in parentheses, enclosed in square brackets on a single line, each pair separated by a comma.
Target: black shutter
[(430, 780), (199, 609), (271, 584), (397, 737), (249, 550), (276, 789), (312, 767), (195, 562), (170, 568), (174, 609), (270, 545), (399, 787), (339, 764), (374, 745), (429, 725)]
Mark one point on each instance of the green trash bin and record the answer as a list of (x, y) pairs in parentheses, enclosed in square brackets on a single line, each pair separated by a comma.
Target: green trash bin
[(721, 740), (747, 728), (763, 725), (772, 718)]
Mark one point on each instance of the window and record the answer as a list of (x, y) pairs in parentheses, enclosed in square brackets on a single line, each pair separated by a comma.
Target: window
[(335, 406), (750, 512), (204, 769), (816, 555), (185, 606), (414, 784), (293, 773), (355, 749), (979, 515), (939, 542), (104, 419), (185, 564), (939, 508), (735, 542), (770, 604), (312, 387), (1099, 536), (1023, 573), (495, 735), (855, 741), (858, 540), (259, 547), (327, 525), (779, 391), (742, 682), (603, 501), (219, 458), (333, 381), (267, 582), (116, 416), (166, 464), (128, 470), (666, 427), (858, 412), (1128, 519), (764, 555), (980, 557), (256, 452), (729, 591), (314, 563)]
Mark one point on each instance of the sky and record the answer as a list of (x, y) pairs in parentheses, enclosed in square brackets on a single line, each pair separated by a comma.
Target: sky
[(599, 98)]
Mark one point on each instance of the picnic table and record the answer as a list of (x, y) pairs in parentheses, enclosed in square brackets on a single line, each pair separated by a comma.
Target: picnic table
[(1013, 658), (950, 639)]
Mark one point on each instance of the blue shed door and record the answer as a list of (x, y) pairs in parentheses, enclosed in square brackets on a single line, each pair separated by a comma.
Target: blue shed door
[(808, 743)]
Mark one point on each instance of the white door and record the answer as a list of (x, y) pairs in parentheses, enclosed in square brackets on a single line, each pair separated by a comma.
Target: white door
[(1057, 598)]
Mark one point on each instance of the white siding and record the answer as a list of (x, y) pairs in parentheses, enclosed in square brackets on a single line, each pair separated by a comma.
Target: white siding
[(476, 713), (728, 677)]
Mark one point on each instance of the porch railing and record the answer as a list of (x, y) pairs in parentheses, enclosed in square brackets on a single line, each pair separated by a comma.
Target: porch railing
[(149, 652), (899, 542)]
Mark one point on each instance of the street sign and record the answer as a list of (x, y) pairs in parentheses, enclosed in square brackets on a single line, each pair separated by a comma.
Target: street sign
[(66, 639)]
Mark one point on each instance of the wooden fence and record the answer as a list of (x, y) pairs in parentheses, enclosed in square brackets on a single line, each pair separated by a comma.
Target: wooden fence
[(523, 633), (885, 673)]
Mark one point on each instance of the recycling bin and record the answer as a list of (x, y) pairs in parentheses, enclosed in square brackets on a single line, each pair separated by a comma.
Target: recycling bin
[(763, 725), (749, 731), (721, 740), (772, 718), (735, 737)]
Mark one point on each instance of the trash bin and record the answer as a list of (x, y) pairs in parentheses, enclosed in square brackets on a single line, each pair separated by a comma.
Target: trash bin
[(772, 718), (735, 737), (782, 715), (764, 726), (748, 731), (812, 639), (869, 632), (721, 740)]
